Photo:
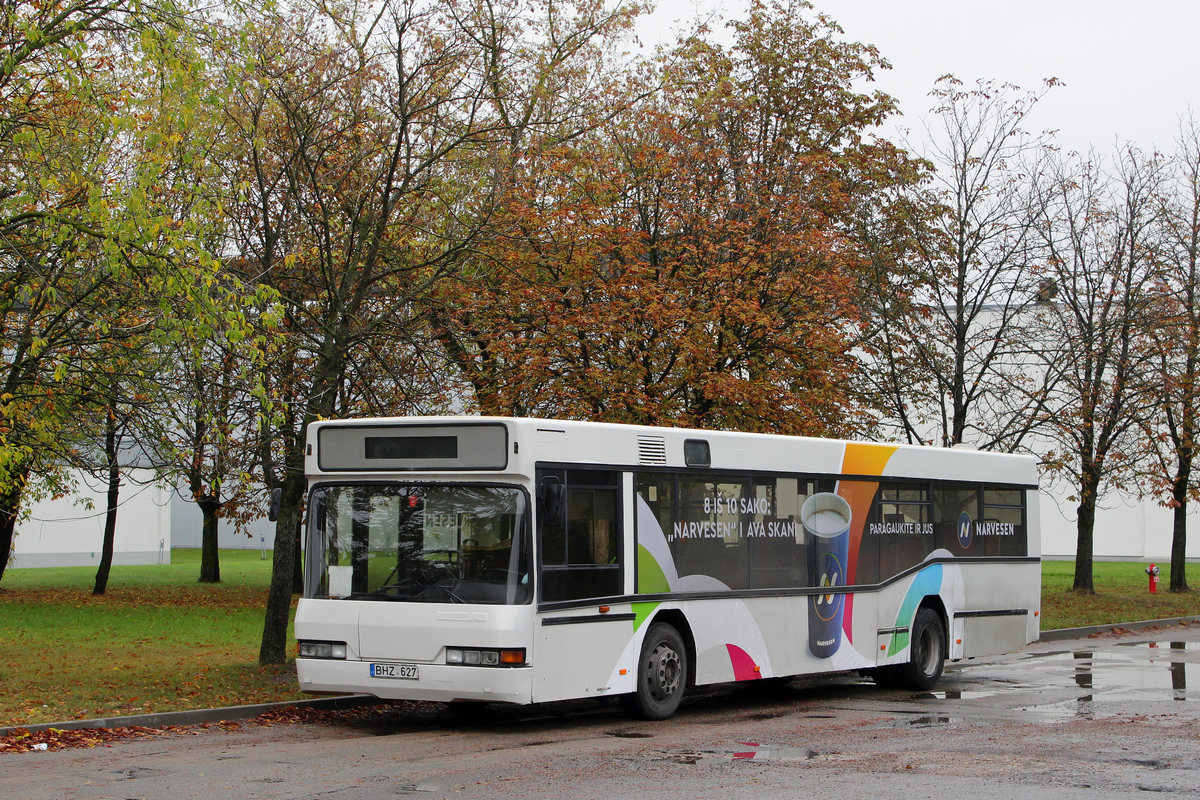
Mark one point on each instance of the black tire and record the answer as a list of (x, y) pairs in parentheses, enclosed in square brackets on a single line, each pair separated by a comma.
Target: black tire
[(661, 674), (926, 656)]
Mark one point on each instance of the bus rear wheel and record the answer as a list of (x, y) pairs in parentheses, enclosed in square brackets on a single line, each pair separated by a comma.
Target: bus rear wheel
[(926, 659), (661, 675)]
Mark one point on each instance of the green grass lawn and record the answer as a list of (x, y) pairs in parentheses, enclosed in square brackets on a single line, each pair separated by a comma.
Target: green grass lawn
[(161, 641), (156, 641), (1121, 595)]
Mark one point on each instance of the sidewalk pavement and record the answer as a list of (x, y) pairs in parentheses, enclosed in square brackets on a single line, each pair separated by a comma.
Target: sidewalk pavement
[(1059, 634), (233, 713), (197, 716)]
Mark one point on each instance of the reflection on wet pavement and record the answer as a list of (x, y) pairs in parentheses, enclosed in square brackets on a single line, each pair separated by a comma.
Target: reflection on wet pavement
[(931, 720), (744, 751), (958, 694), (1130, 672)]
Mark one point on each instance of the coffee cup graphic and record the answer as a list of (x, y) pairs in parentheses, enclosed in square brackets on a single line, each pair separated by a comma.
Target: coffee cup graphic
[(825, 518)]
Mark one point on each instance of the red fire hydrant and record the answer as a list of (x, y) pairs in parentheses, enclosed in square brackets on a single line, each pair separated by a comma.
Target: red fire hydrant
[(1152, 571)]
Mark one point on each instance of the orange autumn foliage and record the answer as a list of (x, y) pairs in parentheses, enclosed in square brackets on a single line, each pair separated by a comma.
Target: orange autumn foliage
[(689, 262)]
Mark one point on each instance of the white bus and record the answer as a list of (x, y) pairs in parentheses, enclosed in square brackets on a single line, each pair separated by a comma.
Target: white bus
[(515, 560)]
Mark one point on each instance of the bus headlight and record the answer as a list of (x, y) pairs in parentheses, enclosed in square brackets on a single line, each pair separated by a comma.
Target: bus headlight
[(478, 657), (322, 649)]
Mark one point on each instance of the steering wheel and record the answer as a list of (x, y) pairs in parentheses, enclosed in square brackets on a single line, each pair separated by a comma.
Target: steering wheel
[(431, 570)]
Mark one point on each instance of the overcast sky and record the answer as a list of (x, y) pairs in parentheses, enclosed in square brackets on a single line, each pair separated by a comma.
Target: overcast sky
[(1129, 69)]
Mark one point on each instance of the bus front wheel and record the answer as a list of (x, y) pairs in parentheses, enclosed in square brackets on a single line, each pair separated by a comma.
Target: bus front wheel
[(927, 656), (661, 675)]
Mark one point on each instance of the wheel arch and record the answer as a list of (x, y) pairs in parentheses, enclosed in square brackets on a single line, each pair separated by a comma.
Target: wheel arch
[(934, 603), (676, 619)]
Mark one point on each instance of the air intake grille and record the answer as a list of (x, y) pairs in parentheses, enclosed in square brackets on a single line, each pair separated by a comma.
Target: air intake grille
[(652, 450)]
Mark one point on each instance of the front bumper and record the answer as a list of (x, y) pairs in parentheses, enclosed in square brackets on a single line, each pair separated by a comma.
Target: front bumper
[(437, 682)]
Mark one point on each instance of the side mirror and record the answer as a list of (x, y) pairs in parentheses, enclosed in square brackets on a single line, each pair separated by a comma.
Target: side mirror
[(552, 505), (273, 509)]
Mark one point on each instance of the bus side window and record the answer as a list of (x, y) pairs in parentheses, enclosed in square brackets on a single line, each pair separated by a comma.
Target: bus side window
[(580, 555)]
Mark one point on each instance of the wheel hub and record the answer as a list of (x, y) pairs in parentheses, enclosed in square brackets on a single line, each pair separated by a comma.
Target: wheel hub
[(664, 672)]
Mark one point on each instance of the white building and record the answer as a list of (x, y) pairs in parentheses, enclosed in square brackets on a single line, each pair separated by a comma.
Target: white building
[(69, 531), (1126, 529), (151, 519)]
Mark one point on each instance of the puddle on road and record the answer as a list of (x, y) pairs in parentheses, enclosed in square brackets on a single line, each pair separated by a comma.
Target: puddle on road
[(1135, 668), (932, 721), (957, 694), (744, 751), (1105, 682), (1136, 672), (1193, 646)]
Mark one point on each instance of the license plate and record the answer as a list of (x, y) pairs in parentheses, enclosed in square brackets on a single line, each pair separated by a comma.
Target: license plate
[(405, 671)]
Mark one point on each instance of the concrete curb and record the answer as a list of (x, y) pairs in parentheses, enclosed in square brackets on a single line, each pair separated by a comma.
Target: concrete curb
[(1060, 634), (227, 714), (232, 713)]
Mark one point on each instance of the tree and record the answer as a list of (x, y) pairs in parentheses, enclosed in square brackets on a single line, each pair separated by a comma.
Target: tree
[(552, 80), (949, 327), (1100, 232), (689, 261), (205, 426), (89, 95), (352, 130), (44, 301), (1173, 428), (108, 427)]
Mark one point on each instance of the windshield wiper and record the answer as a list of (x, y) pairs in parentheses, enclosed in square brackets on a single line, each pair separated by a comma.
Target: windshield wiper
[(389, 591), (426, 594), (453, 596)]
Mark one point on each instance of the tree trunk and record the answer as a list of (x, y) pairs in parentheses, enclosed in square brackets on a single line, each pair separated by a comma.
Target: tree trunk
[(298, 562), (110, 528), (1085, 526), (210, 559), (279, 600), (1179, 530), (322, 391), (10, 509)]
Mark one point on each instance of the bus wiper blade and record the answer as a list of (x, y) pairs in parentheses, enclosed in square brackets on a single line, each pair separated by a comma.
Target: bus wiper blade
[(452, 595), (389, 592)]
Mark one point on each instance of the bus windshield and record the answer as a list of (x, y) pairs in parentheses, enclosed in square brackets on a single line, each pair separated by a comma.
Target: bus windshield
[(419, 543)]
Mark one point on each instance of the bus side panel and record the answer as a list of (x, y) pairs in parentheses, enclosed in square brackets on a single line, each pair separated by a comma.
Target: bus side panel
[(992, 608), (1002, 609), (753, 638), (732, 642), (585, 658), (985, 636)]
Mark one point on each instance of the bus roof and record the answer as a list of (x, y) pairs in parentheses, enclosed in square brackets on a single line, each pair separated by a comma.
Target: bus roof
[(458, 444)]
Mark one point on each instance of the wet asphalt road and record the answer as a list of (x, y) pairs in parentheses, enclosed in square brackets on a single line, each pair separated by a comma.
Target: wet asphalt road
[(1106, 717)]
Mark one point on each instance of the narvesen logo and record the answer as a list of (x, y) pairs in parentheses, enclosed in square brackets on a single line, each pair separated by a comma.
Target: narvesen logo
[(827, 605), (964, 529), (996, 529)]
